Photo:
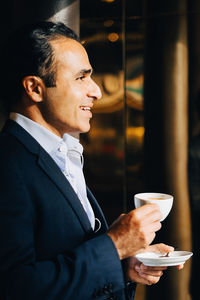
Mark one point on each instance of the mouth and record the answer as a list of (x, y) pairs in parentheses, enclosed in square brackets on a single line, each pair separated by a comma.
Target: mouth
[(85, 108)]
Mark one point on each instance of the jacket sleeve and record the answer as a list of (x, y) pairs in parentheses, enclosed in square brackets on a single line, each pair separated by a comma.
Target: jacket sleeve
[(92, 270)]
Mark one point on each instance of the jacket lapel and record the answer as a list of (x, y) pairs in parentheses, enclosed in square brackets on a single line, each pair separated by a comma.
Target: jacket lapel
[(51, 169), (55, 174)]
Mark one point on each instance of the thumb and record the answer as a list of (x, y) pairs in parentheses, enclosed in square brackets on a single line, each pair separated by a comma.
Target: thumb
[(160, 248)]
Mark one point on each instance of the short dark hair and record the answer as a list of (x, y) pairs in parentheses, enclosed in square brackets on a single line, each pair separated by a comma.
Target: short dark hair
[(28, 51)]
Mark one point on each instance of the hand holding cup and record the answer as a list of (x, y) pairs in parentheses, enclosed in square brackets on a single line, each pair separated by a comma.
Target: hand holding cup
[(164, 201), (134, 231)]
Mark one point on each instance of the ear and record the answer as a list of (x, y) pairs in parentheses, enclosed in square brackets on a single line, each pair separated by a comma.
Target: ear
[(33, 87)]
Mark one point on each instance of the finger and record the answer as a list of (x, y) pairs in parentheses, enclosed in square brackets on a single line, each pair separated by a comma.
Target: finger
[(180, 267), (152, 269), (149, 272), (153, 216), (140, 278), (153, 273), (149, 279), (146, 211), (160, 248), (154, 226)]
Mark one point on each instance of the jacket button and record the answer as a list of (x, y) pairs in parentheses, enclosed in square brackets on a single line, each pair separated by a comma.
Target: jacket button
[(108, 289)]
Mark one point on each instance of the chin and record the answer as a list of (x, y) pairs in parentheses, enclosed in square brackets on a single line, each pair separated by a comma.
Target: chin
[(85, 129)]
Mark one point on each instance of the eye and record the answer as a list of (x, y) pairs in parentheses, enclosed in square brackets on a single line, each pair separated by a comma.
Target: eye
[(82, 77)]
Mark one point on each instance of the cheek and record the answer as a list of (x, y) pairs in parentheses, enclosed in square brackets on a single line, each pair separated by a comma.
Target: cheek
[(65, 101), (67, 109)]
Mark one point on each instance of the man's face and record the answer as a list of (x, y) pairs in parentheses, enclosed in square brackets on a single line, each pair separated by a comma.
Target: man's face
[(66, 108)]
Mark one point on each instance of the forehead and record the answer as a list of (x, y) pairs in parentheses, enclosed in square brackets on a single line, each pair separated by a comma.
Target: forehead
[(70, 53)]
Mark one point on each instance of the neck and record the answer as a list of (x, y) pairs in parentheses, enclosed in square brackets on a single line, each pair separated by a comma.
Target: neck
[(75, 135), (34, 114)]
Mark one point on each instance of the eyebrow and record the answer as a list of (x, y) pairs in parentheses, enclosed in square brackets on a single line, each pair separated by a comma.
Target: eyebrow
[(84, 71)]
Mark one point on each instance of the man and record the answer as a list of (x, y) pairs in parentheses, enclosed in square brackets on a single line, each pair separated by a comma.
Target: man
[(55, 243)]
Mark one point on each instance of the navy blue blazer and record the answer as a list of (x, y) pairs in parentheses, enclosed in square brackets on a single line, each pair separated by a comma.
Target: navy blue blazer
[(48, 249)]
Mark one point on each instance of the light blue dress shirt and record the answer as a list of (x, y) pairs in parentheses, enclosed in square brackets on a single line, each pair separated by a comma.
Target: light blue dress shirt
[(66, 152)]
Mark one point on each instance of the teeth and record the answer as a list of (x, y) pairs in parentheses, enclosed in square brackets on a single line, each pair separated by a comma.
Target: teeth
[(85, 108)]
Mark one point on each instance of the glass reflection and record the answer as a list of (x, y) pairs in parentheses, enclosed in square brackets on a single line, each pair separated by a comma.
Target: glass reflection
[(114, 148)]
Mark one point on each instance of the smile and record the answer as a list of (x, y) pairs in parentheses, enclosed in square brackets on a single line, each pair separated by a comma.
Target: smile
[(85, 108)]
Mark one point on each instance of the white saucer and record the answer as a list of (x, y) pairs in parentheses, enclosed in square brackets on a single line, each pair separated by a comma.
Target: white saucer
[(157, 259)]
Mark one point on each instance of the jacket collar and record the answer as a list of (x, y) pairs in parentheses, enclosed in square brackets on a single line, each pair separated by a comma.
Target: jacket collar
[(51, 169)]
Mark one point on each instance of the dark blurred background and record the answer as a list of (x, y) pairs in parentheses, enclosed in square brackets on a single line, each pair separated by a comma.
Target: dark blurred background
[(145, 133)]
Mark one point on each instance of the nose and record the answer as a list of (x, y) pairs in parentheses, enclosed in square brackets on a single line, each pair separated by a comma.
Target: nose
[(94, 91)]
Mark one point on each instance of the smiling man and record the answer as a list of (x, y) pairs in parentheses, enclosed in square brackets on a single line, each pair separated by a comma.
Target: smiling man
[(55, 242)]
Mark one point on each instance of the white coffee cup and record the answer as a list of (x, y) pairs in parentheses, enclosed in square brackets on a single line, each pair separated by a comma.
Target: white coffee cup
[(164, 201)]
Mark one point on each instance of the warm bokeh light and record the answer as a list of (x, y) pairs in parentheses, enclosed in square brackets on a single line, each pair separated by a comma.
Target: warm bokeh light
[(113, 37), (100, 133), (108, 23), (108, 1), (135, 132)]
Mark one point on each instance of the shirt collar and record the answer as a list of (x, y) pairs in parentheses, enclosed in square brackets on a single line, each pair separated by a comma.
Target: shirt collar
[(72, 143), (48, 140)]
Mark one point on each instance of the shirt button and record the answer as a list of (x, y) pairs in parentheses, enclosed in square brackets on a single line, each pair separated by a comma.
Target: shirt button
[(62, 148)]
